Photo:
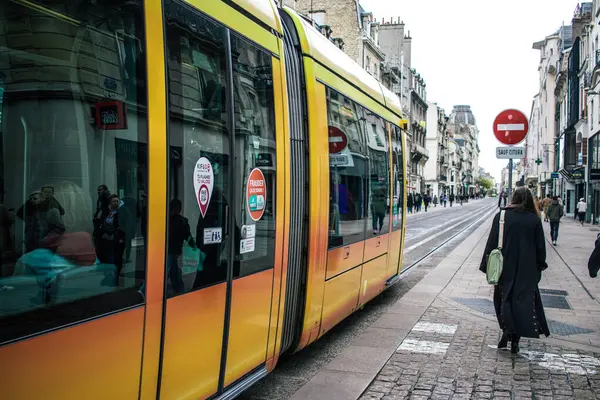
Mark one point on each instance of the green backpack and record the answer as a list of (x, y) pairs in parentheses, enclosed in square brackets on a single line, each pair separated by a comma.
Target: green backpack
[(495, 260)]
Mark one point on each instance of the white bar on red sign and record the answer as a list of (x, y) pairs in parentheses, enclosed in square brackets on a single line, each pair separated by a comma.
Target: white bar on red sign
[(511, 127), (335, 139)]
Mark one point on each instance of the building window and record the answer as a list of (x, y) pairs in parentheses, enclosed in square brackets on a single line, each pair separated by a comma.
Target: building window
[(368, 64), (318, 17), (75, 247)]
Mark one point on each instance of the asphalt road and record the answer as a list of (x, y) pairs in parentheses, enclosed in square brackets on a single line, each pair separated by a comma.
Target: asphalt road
[(425, 232)]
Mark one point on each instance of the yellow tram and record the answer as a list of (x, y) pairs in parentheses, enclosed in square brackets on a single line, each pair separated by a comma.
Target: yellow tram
[(189, 189)]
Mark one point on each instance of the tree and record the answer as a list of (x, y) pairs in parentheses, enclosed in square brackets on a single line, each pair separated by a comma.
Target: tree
[(484, 183)]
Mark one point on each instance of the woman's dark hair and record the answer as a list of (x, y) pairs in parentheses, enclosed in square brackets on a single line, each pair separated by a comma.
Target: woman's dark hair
[(522, 200)]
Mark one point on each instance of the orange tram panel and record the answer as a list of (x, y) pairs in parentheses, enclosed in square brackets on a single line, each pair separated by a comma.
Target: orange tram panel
[(189, 190)]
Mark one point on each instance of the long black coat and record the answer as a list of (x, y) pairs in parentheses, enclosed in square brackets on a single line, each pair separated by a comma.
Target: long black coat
[(517, 297)]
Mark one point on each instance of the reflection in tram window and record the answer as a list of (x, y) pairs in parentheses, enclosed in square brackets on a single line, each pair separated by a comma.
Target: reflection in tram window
[(397, 179), (71, 234), (255, 192), (197, 241), (379, 170), (348, 169)]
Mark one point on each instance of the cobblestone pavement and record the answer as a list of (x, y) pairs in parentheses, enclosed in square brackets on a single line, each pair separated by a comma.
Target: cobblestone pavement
[(460, 361), (450, 353)]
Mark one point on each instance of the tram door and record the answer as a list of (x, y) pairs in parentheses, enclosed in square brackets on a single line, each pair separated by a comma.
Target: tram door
[(220, 236)]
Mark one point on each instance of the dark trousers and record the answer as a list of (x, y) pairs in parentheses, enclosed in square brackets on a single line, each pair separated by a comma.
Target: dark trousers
[(378, 217), (554, 230), (175, 274)]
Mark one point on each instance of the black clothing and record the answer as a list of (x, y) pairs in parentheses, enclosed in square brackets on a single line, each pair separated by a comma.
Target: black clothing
[(517, 299), (179, 232), (594, 261)]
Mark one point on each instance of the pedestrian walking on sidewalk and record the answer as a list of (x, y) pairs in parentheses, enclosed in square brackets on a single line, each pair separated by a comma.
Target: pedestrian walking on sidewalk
[(426, 201), (545, 203), (524, 259), (594, 261), (554, 212), (581, 210), (435, 200)]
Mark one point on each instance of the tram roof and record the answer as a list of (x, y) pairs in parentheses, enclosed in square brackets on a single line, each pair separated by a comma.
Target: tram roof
[(263, 10), (326, 53)]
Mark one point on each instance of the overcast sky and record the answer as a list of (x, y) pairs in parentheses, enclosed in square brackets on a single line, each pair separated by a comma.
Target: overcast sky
[(478, 52)]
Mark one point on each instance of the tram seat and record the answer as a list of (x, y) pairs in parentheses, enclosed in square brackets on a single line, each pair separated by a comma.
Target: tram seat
[(19, 294), (83, 282)]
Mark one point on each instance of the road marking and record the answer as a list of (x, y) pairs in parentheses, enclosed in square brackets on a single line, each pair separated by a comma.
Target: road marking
[(576, 364), (435, 328), (423, 346), (511, 127)]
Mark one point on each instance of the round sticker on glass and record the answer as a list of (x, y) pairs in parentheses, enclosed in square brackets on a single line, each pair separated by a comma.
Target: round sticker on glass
[(203, 183), (256, 194)]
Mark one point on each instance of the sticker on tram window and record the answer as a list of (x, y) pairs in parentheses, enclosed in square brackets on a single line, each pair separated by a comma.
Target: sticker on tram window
[(246, 246), (203, 183), (256, 193), (213, 235), (248, 231)]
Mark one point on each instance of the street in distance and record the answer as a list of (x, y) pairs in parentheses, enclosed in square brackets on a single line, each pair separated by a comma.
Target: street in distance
[(510, 152)]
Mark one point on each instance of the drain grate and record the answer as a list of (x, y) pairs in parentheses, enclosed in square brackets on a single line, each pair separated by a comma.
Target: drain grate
[(562, 329), (559, 302), (554, 292), (486, 306)]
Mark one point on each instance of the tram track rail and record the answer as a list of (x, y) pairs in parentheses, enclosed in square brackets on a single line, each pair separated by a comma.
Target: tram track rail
[(405, 271)]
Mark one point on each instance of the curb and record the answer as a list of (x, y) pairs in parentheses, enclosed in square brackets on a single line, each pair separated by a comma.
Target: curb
[(349, 374)]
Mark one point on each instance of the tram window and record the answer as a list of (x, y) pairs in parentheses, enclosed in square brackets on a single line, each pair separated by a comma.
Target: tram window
[(379, 172), (73, 163), (397, 179), (347, 170), (255, 173), (197, 240)]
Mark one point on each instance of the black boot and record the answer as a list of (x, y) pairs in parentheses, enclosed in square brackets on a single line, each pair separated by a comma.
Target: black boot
[(514, 345), (503, 343)]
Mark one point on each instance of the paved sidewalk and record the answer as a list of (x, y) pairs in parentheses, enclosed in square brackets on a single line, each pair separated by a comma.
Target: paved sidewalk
[(575, 244), (439, 341), (451, 352)]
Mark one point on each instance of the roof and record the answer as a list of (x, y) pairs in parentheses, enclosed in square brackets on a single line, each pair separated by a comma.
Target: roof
[(326, 53), (263, 10)]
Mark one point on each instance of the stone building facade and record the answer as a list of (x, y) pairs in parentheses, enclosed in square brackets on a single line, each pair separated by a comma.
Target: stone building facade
[(465, 133), (436, 169)]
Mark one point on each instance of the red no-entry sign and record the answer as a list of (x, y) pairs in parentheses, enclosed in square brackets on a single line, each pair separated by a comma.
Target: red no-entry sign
[(337, 140), (511, 126)]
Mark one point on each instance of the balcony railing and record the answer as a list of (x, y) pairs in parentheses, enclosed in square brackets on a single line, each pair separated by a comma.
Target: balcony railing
[(417, 148)]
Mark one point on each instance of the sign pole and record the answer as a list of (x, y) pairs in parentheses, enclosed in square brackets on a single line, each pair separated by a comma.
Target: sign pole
[(510, 182)]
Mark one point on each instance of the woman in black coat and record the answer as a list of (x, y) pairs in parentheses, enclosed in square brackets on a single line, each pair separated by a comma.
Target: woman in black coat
[(517, 297)]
